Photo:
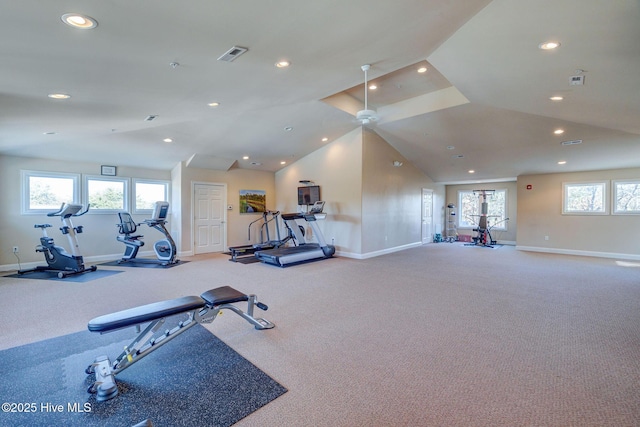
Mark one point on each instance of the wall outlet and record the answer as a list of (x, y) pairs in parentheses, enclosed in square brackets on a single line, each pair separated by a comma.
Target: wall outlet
[(16, 249)]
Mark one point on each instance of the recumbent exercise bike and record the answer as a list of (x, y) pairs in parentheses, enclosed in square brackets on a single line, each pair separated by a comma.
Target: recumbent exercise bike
[(165, 249)]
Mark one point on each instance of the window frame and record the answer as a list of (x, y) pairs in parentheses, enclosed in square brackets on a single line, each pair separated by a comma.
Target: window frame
[(134, 192), (125, 195), (605, 197), (504, 225), (26, 189), (614, 196)]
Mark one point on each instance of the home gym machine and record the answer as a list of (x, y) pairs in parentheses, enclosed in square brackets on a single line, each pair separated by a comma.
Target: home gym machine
[(58, 259), (304, 252), (197, 309), (483, 236), (249, 250), (165, 249)]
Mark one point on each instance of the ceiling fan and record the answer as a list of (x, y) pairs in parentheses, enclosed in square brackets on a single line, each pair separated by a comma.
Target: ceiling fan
[(366, 116)]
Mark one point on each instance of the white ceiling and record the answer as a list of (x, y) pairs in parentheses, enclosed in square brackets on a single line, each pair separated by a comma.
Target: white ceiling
[(486, 92)]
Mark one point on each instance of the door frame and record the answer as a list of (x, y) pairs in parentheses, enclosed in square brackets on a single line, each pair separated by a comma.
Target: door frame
[(192, 219)]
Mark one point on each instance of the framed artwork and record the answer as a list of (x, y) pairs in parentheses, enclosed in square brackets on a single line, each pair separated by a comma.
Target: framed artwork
[(252, 201), (108, 170)]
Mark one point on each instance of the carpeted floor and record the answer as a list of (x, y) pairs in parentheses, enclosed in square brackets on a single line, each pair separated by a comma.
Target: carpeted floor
[(194, 378), (438, 335)]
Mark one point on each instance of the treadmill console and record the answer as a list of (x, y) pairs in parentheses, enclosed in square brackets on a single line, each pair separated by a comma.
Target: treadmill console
[(317, 207)]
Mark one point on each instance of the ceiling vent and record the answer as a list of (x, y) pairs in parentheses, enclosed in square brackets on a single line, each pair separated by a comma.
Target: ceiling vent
[(573, 142), (576, 81), (232, 53)]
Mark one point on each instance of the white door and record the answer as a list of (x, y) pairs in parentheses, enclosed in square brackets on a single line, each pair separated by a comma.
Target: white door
[(210, 229), (427, 216)]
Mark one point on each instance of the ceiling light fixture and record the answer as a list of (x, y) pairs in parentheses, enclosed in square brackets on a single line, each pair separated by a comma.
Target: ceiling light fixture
[(288, 129), (549, 45), (562, 162), (283, 162), (556, 98), (213, 104), (558, 131), (373, 87), (397, 163), (168, 140), (472, 171), (422, 70), (59, 96), (245, 157), (77, 20), (325, 139), (283, 64)]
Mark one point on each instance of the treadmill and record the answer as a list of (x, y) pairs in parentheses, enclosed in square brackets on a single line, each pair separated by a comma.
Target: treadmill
[(304, 252)]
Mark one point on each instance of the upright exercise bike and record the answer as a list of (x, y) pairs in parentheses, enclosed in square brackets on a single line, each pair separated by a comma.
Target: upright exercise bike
[(165, 249), (58, 259)]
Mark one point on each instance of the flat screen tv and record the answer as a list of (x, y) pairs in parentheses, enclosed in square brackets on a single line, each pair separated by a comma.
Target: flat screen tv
[(308, 195)]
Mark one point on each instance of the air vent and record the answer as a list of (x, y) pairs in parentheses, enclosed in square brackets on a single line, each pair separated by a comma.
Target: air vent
[(573, 142), (150, 118), (232, 53), (457, 156), (256, 163), (576, 81)]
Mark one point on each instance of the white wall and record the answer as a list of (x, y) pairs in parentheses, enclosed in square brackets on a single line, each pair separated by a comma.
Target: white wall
[(540, 215), (336, 168)]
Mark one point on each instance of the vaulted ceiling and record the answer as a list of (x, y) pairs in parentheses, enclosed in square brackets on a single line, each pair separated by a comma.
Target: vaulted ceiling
[(483, 104)]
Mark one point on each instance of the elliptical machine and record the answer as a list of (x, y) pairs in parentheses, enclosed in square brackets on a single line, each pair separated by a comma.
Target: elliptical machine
[(165, 249), (58, 259)]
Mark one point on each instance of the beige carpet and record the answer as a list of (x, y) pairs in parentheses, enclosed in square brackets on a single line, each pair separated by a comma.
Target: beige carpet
[(441, 335)]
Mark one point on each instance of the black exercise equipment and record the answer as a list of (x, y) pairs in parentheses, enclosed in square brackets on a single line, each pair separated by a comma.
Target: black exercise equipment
[(304, 252), (202, 309), (58, 259), (165, 249), (249, 250)]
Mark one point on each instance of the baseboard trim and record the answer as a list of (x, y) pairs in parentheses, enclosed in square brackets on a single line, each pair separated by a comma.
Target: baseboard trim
[(378, 253), (613, 255)]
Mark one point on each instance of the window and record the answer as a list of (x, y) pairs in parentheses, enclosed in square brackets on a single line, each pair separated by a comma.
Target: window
[(626, 197), (584, 198), (147, 192), (470, 203), (106, 195), (47, 191)]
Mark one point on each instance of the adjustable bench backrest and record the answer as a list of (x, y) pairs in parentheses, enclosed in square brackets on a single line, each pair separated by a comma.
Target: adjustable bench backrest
[(144, 313)]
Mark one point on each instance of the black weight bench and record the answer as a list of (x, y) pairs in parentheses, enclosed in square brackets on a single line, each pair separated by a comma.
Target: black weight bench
[(202, 309)]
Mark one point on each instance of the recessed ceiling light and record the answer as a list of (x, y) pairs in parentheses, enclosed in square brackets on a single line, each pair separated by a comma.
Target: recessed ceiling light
[(562, 162), (325, 139), (373, 87), (245, 157), (77, 20), (472, 171), (213, 104), (59, 96), (282, 64), (168, 140), (549, 45), (283, 162), (556, 98), (422, 70), (558, 131)]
